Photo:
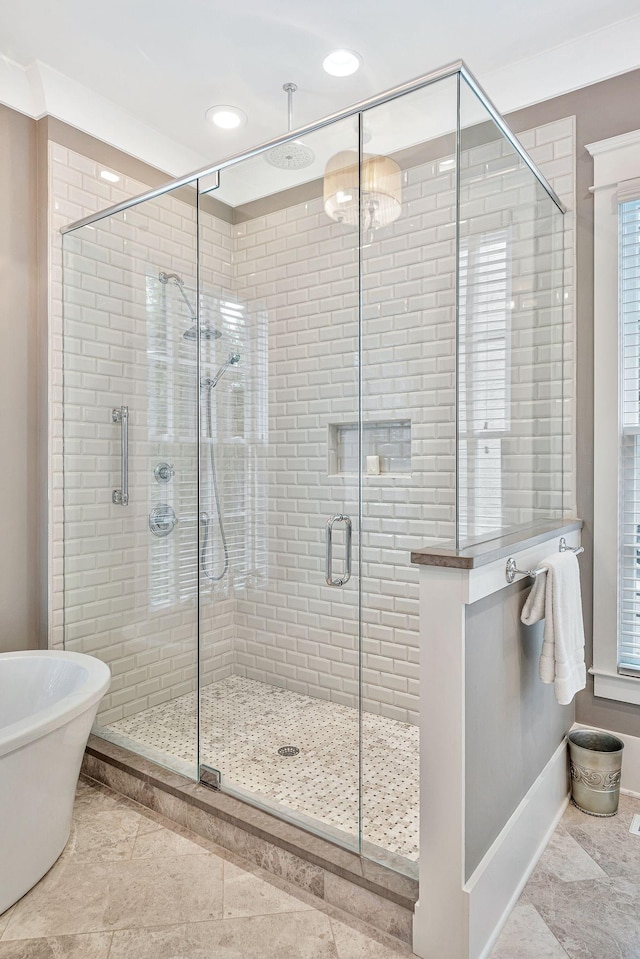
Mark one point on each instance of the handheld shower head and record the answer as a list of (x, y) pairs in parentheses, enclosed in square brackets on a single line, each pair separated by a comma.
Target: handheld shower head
[(232, 360)]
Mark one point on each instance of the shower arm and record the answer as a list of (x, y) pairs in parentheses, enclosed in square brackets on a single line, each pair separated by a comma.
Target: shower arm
[(165, 277), (289, 89)]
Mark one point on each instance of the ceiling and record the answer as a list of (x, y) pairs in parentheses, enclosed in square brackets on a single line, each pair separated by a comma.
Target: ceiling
[(141, 73)]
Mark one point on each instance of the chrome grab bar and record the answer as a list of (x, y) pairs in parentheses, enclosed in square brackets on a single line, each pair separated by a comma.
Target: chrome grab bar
[(338, 518), (121, 415)]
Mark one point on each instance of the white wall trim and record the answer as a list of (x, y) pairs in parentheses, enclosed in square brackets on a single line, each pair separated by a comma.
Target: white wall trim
[(497, 882), (455, 919), (630, 780), (615, 160), (610, 685)]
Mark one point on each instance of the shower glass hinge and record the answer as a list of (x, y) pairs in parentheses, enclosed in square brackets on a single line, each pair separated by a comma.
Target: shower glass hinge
[(210, 776)]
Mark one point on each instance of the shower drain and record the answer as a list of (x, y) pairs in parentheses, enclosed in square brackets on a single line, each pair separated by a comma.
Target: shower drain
[(288, 751)]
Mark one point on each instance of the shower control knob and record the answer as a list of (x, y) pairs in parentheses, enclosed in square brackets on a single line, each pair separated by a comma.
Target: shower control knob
[(164, 472), (162, 519)]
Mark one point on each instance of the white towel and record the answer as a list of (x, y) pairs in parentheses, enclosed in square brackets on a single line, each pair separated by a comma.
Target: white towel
[(555, 595)]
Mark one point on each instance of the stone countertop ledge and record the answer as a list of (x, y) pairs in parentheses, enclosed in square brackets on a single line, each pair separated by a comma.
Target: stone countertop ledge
[(480, 554)]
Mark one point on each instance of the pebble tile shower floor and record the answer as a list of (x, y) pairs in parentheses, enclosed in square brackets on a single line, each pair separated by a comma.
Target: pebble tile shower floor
[(245, 722)]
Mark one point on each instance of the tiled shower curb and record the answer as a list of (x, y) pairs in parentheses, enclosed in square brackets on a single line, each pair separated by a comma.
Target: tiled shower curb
[(372, 892)]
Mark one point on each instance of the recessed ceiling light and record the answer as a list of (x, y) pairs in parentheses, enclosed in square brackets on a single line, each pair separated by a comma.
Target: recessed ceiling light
[(108, 175), (341, 63), (226, 117)]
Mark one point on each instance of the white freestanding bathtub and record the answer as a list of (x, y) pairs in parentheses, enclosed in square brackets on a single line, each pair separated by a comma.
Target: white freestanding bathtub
[(48, 701)]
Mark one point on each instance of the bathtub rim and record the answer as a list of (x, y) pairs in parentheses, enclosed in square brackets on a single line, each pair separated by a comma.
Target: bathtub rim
[(93, 686)]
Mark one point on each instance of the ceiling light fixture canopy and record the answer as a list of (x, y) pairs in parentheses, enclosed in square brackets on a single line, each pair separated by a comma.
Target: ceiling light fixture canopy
[(380, 188), (341, 63), (226, 117)]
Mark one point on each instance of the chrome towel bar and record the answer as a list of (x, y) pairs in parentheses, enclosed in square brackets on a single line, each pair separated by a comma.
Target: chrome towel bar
[(512, 571)]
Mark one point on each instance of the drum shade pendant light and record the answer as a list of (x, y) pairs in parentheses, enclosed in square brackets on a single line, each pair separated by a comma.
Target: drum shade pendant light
[(381, 189)]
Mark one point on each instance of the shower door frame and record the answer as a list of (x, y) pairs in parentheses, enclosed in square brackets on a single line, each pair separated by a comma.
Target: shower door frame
[(456, 68)]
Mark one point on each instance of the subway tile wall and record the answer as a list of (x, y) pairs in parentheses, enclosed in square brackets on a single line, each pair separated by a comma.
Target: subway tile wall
[(300, 632), (131, 597), (296, 272)]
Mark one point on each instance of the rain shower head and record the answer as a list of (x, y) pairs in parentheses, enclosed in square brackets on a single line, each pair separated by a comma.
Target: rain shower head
[(293, 155), (206, 332)]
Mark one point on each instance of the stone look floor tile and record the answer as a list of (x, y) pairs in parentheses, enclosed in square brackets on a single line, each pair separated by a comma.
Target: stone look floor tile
[(566, 860), (354, 943), (106, 836), (381, 913), (164, 843), (607, 840), (89, 946), (173, 904), (251, 895), (4, 919), (527, 936), (74, 898), (585, 891), (305, 935), (593, 919)]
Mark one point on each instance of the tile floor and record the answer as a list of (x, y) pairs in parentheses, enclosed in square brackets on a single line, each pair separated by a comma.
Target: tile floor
[(245, 722), (132, 885), (583, 900)]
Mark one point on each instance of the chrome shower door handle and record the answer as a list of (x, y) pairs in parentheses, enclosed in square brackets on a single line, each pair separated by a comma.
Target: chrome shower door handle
[(338, 518), (121, 415)]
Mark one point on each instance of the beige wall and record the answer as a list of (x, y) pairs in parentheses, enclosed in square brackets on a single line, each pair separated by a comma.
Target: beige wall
[(19, 383), (23, 363), (602, 110)]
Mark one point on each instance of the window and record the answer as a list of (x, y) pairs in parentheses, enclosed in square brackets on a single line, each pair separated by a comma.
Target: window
[(484, 319), (616, 574), (629, 515)]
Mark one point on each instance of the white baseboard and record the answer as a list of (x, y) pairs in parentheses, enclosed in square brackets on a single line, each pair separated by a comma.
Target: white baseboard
[(497, 882), (630, 780)]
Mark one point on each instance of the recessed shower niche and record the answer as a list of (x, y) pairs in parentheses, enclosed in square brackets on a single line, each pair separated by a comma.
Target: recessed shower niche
[(386, 448)]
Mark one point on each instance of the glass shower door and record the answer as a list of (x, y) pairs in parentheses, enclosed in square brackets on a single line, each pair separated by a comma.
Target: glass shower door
[(279, 484), (130, 470)]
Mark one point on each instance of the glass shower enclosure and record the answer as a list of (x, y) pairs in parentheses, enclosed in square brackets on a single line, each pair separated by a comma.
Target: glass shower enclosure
[(281, 376)]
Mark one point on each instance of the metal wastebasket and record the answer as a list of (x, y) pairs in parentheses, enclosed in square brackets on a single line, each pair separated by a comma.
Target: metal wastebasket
[(596, 764)]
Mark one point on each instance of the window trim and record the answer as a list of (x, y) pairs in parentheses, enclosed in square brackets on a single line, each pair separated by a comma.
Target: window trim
[(615, 161)]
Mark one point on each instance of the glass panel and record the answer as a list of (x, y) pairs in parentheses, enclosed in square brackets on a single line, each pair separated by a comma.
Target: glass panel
[(510, 337), (278, 458), (408, 413), (130, 577)]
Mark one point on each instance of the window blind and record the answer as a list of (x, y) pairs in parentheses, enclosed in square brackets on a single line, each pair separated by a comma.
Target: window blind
[(629, 516), (484, 381)]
